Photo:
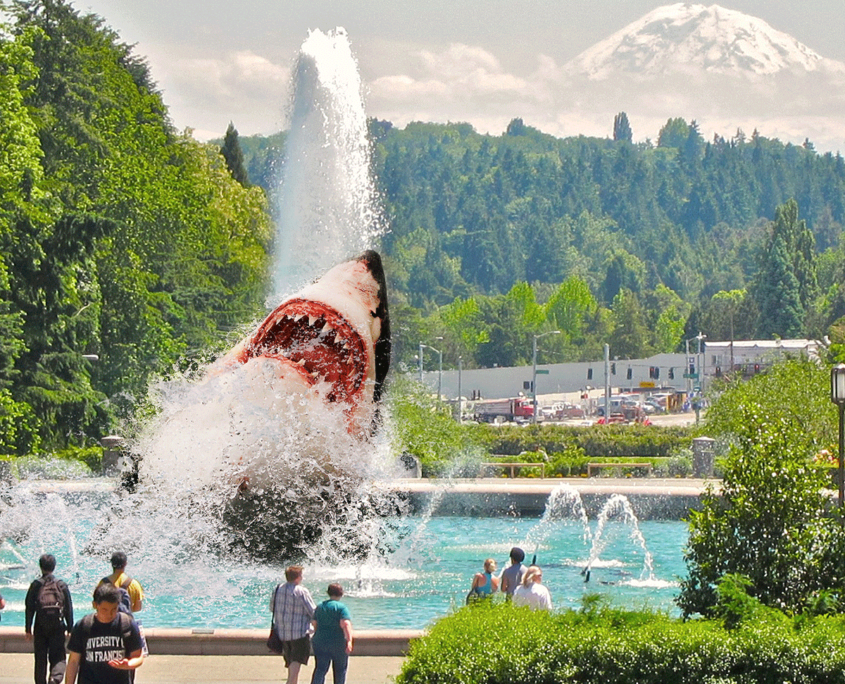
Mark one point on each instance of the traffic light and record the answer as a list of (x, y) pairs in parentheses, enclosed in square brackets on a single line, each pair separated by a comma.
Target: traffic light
[(613, 367), (671, 373), (630, 373)]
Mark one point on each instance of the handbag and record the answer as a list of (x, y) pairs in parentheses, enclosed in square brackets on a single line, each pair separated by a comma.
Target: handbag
[(273, 641)]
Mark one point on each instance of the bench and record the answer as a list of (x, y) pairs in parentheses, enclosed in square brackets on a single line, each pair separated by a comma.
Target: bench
[(598, 466), (514, 467)]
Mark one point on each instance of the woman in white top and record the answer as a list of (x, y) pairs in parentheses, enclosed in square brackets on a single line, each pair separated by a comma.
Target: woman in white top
[(531, 592)]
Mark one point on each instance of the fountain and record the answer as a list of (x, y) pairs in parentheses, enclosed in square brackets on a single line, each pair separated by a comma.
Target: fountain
[(399, 570), (328, 206), (285, 462)]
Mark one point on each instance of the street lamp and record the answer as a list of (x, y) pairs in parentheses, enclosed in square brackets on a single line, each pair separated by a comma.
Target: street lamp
[(534, 372), (460, 390), (837, 396), (439, 365)]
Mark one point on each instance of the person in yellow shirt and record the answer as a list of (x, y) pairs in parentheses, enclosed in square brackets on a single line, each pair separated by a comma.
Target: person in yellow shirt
[(119, 578)]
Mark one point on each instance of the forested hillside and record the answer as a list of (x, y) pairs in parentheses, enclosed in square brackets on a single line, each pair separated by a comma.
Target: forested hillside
[(496, 238), (120, 237), (128, 240)]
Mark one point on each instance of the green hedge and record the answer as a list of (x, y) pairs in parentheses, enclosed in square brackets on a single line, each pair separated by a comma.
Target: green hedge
[(573, 463), (595, 441), (500, 644)]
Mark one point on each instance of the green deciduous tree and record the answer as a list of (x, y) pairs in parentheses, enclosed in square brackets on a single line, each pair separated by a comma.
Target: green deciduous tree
[(770, 522)]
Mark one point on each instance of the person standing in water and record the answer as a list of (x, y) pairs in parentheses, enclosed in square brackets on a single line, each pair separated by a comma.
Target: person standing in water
[(512, 575), (531, 592), (484, 584)]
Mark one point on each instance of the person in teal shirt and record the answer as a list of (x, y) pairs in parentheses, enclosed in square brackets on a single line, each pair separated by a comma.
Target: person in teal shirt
[(332, 640)]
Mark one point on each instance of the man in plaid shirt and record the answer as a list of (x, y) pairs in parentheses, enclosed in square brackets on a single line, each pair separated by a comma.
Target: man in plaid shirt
[(293, 609)]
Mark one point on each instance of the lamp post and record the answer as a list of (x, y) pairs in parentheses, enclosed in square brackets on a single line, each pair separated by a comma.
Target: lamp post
[(837, 396), (420, 359), (534, 371), (439, 365), (702, 360), (460, 390)]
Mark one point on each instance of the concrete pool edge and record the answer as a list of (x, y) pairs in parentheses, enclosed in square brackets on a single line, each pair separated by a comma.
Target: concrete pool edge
[(650, 498), (249, 642)]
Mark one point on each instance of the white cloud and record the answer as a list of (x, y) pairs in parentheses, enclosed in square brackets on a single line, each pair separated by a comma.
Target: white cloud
[(463, 83), (240, 86)]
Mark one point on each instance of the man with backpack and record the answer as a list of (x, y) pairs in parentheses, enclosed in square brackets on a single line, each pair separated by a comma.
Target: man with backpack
[(48, 601), (130, 593), (104, 646), (120, 579)]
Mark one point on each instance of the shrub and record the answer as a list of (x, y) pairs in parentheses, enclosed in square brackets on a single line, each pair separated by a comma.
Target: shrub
[(496, 643), (770, 522)]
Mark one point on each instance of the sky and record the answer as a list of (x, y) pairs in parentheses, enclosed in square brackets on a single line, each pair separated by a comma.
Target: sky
[(482, 61)]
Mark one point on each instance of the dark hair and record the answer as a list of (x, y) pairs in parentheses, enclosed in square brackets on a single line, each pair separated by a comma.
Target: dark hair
[(335, 590), (47, 562), (107, 593), (517, 554), (293, 572), (118, 560)]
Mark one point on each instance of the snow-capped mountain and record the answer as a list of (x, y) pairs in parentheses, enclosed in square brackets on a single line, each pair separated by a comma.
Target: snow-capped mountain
[(686, 37), (725, 69)]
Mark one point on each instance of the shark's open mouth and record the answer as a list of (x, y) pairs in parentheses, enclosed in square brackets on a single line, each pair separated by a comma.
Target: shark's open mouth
[(317, 342)]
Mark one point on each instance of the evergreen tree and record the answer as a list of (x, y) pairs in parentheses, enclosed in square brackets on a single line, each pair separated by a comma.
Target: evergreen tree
[(778, 295), (622, 129), (630, 332), (232, 153)]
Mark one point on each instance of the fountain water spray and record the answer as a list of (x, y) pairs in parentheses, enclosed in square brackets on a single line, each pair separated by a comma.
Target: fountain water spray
[(328, 206), (564, 502), (264, 442), (618, 505)]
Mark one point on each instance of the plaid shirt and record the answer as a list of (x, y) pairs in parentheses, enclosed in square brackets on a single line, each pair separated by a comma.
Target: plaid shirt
[(293, 609)]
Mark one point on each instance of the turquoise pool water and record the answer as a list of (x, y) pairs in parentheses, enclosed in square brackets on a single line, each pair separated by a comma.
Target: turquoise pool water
[(425, 575)]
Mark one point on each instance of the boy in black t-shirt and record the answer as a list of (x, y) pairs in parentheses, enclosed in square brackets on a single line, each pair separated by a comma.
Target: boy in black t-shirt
[(104, 646)]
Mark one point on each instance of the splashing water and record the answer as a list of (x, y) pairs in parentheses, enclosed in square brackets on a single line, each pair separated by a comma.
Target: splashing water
[(245, 464), (564, 502), (618, 505), (329, 207)]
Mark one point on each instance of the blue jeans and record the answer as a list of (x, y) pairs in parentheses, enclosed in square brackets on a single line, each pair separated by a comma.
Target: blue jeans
[(333, 654)]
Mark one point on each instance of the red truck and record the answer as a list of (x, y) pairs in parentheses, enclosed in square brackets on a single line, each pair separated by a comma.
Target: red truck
[(491, 410)]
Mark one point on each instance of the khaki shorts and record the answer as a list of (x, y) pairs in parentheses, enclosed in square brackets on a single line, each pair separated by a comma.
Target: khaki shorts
[(296, 651)]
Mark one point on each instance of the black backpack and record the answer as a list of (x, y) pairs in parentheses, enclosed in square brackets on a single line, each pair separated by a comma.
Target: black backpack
[(50, 603), (125, 603), (125, 626)]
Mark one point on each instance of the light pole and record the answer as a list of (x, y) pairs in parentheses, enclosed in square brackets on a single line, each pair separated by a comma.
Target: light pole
[(837, 396), (460, 393), (701, 358), (534, 371), (439, 365), (420, 357)]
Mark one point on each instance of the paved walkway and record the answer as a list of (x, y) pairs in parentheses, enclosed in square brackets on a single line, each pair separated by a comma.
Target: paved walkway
[(16, 668)]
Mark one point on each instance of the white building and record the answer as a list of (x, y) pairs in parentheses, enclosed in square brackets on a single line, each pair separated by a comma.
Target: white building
[(679, 372)]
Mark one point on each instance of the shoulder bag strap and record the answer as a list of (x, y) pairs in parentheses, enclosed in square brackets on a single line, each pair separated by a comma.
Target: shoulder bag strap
[(275, 596)]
